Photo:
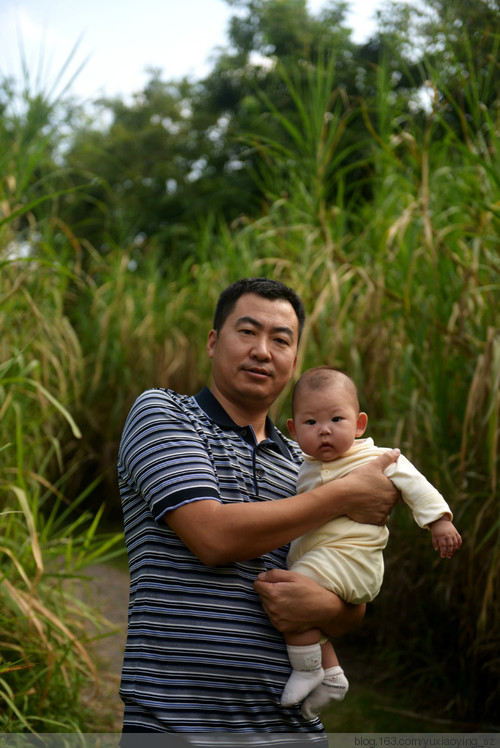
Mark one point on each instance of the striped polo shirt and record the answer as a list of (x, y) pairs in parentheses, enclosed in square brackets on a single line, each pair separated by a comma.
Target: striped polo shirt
[(201, 654)]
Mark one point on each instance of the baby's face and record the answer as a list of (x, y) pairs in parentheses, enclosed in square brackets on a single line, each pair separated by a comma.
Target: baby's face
[(326, 422)]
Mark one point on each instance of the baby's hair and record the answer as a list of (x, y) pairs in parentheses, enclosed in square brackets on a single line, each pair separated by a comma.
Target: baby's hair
[(325, 376)]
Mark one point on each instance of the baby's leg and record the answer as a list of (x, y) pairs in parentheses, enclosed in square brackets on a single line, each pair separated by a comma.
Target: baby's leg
[(304, 652), (328, 654), (333, 687)]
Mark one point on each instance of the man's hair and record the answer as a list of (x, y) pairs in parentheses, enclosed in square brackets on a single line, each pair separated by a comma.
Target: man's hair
[(269, 289), (325, 376)]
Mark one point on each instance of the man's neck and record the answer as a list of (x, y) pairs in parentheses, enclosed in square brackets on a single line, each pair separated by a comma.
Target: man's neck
[(244, 416)]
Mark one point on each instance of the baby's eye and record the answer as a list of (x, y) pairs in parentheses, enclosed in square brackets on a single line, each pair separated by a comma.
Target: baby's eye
[(310, 422), (336, 419)]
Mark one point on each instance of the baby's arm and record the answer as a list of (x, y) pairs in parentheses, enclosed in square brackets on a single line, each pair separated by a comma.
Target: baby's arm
[(426, 503), (445, 537)]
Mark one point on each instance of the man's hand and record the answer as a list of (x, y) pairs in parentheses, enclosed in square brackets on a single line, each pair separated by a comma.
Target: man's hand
[(445, 537), (296, 603), (371, 494)]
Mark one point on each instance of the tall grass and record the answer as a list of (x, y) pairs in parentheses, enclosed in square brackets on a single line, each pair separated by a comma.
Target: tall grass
[(48, 536), (47, 539)]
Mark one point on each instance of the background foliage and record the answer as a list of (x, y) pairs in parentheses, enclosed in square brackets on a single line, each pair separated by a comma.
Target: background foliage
[(366, 177)]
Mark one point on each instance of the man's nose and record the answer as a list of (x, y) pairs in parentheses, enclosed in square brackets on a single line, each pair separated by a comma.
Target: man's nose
[(261, 348)]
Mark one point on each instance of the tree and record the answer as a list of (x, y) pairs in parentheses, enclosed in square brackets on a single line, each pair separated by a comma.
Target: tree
[(180, 150), (141, 163), (453, 48)]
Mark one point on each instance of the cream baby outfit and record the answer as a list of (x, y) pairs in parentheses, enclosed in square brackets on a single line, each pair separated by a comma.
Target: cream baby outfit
[(346, 556)]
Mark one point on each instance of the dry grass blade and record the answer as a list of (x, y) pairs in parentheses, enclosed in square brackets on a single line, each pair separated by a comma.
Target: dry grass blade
[(30, 523), (482, 410), (39, 616)]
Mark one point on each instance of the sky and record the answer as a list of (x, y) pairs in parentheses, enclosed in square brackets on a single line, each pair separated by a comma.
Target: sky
[(116, 41)]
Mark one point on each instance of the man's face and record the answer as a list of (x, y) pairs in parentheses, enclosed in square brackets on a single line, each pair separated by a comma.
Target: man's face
[(255, 352)]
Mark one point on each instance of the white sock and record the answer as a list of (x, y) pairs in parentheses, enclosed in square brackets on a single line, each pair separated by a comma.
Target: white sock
[(333, 687), (306, 674)]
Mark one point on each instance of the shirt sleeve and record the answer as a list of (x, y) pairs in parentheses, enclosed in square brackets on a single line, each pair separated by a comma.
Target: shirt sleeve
[(425, 501), (163, 456)]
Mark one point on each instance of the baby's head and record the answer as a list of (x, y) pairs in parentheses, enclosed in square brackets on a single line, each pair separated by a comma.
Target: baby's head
[(326, 416)]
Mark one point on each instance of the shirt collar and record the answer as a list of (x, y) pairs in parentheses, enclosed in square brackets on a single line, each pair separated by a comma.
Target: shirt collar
[(214, 410)]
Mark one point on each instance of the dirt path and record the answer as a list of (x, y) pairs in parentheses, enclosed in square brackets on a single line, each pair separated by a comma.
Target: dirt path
[(107, 591)]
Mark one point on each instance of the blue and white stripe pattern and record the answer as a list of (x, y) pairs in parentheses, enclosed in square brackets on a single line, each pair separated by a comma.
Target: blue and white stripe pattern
[(201, 654)]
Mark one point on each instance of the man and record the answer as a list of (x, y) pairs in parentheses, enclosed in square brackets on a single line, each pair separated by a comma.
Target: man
[(208, 486)]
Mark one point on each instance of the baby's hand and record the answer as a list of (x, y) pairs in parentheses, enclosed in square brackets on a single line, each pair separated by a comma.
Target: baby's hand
[(445, 537)]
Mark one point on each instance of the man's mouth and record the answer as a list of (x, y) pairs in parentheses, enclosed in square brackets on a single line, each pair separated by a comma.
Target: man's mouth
[(258, 372)]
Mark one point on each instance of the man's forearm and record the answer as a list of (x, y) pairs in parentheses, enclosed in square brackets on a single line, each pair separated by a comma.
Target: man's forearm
[(224, 533)]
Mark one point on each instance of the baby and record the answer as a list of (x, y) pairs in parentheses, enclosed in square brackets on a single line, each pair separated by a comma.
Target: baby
[(342, 555)]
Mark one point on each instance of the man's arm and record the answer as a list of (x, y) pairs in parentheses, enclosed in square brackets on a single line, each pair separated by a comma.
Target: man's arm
[(223, 533)]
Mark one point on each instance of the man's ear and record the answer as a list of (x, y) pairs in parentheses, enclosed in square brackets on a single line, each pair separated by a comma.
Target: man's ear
[(361, 424), (291, 427), (211, 341)]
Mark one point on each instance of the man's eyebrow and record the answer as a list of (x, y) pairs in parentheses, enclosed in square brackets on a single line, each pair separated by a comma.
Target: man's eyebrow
[(255, 322)]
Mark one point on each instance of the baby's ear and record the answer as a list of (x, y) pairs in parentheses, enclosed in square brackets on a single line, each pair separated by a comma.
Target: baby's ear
[(291, 427), (361, 424)]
